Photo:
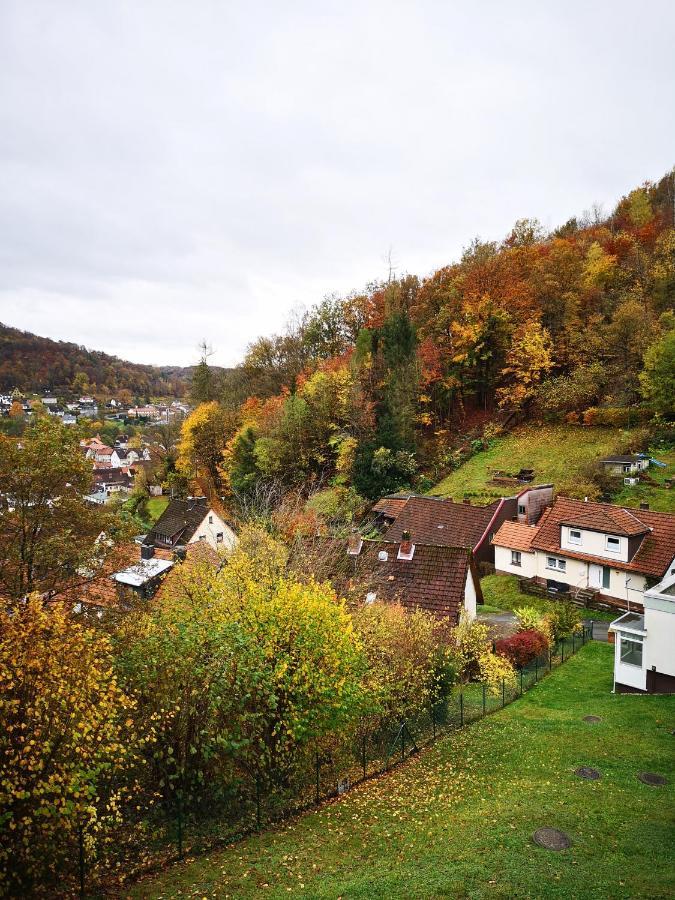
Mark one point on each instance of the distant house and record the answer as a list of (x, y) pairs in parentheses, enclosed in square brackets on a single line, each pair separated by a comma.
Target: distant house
[(631, 464), (610, 550), (444, 523), (644, 646), (189, 521)]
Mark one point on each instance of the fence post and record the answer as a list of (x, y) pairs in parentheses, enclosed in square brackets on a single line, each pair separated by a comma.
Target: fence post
[(550, 659), (573, 647), (433, 721), (402, 742), (536, 669), (461, 709), (562, 650), (503, 693), (179, 822), (484, 698), (521, 681), (318, 785), (363, 757), (257, 801), (80, 843)]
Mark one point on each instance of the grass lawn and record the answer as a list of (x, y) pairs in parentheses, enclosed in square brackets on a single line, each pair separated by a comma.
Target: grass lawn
[(155, 506), (501, 593), (659, 498), (457, 820), (557, 453)]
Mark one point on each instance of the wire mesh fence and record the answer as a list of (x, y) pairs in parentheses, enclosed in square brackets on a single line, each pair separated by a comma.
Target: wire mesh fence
[(222, 814)]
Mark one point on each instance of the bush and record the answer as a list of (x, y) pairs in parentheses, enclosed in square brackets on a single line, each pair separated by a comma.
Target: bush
[(478, 662), (530, 618), (523, 647), (564, 618)]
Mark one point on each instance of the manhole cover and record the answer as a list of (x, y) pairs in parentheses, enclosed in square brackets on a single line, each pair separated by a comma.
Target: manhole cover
[(588, 773), (592, 720), (652, 778), (551, 839)]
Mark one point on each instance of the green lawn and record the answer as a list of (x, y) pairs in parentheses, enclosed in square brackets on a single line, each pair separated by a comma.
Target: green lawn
[(457, 821), (155, 506), (659, 498), (501, 593), (557, 453)]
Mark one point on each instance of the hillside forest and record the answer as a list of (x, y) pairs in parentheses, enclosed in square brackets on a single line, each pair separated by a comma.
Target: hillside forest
[(382, 389)]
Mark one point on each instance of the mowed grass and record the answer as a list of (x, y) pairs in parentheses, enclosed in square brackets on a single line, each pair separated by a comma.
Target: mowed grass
[(457, 821), (557, 453), (501, 594), (155, 506), (658, 496)]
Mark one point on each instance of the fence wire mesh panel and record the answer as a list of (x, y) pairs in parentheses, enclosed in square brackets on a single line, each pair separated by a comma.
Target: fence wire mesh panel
[(159, 829)]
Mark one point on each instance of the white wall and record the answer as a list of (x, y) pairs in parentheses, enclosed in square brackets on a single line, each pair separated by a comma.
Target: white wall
[(209, 531), (526, 569), (470, 595), (659, 645), (633, 676), (576, 575), (593, 543)]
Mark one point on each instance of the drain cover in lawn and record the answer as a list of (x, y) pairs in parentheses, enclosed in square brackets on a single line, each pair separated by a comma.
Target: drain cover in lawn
[(652, 778), (551, 839), (592, 720), (588, 773)]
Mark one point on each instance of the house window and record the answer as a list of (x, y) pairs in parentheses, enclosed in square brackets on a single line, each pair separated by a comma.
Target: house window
[(627, 468), (210, 520), (605, 576), (612, 544), (552, 562), (515, 558), (575, 536), (219, 537), (521, 509), (631, 650), (202, 537)]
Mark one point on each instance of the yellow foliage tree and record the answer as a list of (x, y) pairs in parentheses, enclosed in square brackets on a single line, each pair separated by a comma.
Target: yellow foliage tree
[(528, 361), (64, 726)]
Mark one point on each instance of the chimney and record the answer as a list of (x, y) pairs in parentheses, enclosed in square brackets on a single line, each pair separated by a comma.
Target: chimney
[(467, 500), (354, 543), (147, 551), (406, 547), (644, 505)]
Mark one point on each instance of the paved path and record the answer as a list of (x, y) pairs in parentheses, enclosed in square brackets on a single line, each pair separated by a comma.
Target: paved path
[(599, 630), (501, 625)]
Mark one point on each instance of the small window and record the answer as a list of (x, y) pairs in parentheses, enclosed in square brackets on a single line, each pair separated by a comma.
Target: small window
[(552, 562), (631, 651), (605, 576), (627, 468), (210, 520), (202, 537), (613, 544), (219, 537), (515, 558), (575, 536), (521, 509)]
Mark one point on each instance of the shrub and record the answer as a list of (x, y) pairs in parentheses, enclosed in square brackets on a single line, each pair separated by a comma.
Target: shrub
[(521, 648), (532, 619), (477, 660), (564, 619)]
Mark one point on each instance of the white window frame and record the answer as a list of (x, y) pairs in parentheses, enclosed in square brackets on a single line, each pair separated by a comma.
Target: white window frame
[(516, 558), (614, 548), (631, 639), (575, 536), (522, 509), (559, 565)]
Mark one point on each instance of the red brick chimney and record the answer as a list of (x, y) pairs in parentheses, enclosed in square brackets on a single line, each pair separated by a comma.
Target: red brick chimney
[(406, 547)]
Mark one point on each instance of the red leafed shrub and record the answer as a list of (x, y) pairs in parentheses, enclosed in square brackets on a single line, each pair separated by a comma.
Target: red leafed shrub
[(522, 648)]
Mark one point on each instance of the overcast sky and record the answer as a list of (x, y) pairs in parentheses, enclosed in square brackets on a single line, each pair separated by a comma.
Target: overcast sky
[(171, 171)]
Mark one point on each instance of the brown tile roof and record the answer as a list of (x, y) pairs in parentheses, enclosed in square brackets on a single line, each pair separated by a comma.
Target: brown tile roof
[(390, 507), (656, 550), (515, 536), (442, 522), (179, 521), (434, 579)]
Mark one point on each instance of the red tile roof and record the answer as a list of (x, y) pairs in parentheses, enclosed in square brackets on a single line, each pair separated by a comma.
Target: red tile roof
[(442, 522), (515, 536), (390, 507), (656, 550)]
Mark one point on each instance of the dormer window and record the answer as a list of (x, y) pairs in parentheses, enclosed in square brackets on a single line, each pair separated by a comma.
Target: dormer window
[(521, 509), (575, 536), (612, 544)]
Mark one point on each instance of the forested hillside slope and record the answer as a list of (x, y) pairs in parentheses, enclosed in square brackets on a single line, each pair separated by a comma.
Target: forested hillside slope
[(367, 392), (32, 363)]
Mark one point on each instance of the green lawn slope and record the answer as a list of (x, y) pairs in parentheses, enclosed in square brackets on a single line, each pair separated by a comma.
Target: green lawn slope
[(557, 453), (457, 821)]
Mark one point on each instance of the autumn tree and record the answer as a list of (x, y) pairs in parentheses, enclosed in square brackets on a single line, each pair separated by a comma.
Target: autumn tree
[(51, 537), (658, 378), (528, 361), (67, 744), (204, 436)]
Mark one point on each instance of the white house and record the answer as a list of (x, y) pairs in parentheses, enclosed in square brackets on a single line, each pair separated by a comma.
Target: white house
[(577, 545), (631, 464), (644, 646), (188, 522)]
